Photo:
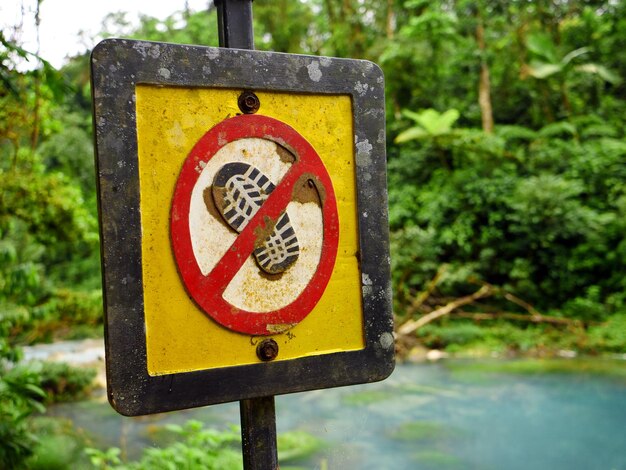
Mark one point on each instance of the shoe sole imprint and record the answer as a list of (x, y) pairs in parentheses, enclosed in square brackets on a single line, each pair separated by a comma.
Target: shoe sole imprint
[(239, 190)]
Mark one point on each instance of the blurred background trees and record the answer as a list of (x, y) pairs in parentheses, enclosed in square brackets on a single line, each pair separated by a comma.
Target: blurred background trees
[(507, 171), (506, 155)]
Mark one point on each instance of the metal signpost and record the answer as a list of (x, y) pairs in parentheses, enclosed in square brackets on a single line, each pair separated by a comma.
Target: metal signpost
[(258, 415), (243, 220)]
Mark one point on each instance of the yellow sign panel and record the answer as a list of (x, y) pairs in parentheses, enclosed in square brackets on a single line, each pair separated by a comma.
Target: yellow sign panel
[(180, 337)]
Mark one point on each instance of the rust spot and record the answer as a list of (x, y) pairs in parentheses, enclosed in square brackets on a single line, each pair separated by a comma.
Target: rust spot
[(285, 155), (270, 277), (264, 230), (308, 188), (267, 350), (208, 196), (248, 102)]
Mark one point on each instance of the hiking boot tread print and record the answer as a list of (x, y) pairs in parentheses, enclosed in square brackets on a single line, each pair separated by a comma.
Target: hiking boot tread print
[(239, 190)]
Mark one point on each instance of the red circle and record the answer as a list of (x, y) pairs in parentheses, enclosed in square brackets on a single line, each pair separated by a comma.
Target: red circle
[(207, 290)]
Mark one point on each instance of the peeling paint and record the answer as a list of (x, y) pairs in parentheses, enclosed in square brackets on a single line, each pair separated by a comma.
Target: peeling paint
[(141, 48), (204, 227), (155, 51), (374, 112), (386, 340), (361, 88), (279, 328), (163, 307), (165, 73), (200, 166), (212, 53), (363, 155), (221, 139), (315, 73), (176, 136), (250, 290)]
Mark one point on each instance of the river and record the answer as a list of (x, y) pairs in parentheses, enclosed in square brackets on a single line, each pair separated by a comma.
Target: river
[(452, 414)]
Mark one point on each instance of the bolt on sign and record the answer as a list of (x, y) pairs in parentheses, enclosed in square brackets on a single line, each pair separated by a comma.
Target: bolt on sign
[(243, 214)]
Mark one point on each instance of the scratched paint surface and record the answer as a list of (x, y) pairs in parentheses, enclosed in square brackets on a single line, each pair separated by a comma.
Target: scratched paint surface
[(209, 235), (180, 337), (251, 289)]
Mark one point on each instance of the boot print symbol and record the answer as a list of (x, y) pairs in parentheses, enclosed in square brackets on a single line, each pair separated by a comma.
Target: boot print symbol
[(239, 190)]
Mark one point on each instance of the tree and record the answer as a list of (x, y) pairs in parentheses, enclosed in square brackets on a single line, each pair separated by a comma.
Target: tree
[(548, 61)]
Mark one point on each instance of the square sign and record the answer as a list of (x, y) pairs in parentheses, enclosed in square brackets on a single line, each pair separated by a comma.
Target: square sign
[(243, 215)]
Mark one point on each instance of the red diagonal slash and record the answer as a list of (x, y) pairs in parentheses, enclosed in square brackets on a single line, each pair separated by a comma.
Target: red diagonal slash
[(207, 291), (276, 203)]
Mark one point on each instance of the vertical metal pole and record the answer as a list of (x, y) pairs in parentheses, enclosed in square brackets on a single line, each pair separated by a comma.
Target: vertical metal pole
[(234, 22), (258, 434), (258, 415)]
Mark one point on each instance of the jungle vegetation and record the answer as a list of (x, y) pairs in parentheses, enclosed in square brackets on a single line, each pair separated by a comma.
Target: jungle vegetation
[(506, 174)]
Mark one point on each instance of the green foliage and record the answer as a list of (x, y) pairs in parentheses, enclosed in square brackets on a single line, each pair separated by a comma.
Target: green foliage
[(48, 236), (283, 26), (63, 382), (104, 459), (44, 225), (610, 336), (457, 334), (181, 27), (592, 367), (562, 129), (70, 151), (51, 207), (60, 446), (537, 209), (513, 133), (23, 390), (48, 225), (55, 452), (196, 448), (430, 124), (64, 313), (550, 62), (463, 336), (20, 396), (526, 210), (297, 445)]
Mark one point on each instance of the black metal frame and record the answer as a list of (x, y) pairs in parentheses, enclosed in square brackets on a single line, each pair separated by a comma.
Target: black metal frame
[(119, 65)]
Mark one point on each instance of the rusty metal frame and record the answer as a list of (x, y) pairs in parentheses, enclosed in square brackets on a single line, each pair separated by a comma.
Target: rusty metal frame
[(117, 66)]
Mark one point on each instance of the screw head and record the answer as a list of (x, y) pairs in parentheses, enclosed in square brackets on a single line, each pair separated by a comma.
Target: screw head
[(267, 350), (248, 102)]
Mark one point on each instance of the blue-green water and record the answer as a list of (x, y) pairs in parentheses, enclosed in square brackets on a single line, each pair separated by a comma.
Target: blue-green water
[(448, 415)]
